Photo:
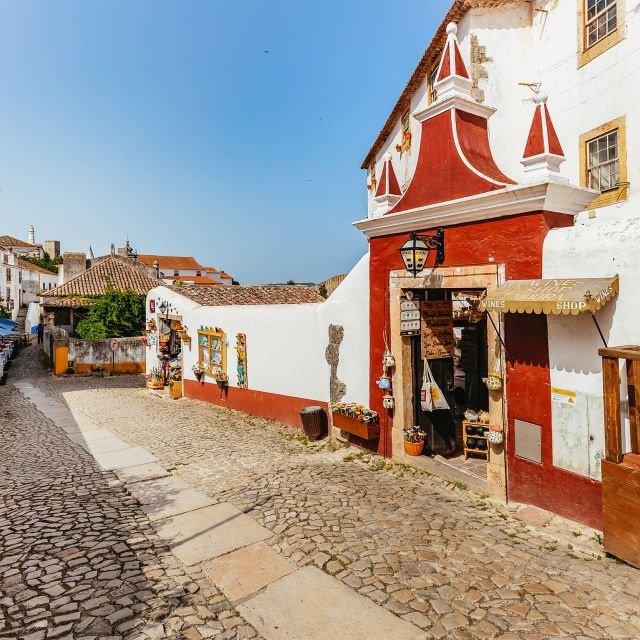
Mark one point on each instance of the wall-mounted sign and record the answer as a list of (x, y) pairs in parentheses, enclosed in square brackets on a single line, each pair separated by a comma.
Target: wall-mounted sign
[(437, 329), (409, 317), (152, 306)]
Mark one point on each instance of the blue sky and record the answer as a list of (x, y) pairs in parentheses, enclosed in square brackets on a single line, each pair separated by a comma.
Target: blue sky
[(166, 122)]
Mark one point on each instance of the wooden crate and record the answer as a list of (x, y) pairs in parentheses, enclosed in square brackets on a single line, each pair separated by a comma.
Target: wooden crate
[(365, 430)]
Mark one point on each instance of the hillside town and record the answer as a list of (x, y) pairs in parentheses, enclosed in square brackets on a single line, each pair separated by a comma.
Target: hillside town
[(443, 442)]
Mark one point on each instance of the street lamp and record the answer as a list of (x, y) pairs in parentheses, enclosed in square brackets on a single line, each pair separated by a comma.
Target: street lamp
[(415, 251)]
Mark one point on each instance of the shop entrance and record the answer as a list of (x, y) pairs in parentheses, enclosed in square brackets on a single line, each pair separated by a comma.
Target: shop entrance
[(170, 333), (453, 345)]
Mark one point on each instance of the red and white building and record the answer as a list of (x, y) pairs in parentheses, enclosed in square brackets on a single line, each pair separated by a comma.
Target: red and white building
[(184, 269), (525, 187)]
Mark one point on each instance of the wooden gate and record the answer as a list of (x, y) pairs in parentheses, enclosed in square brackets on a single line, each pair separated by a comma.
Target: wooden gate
[(621, 471)]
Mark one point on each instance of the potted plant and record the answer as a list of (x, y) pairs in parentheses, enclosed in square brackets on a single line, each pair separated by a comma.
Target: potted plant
[(198, 371), (155, 378), (222, 380), (413, 441)]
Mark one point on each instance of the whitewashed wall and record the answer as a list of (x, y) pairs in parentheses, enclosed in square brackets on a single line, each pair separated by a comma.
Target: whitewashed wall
[(286, 343)]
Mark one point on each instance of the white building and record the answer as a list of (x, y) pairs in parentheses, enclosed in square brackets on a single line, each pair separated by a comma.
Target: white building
[(184, 269)]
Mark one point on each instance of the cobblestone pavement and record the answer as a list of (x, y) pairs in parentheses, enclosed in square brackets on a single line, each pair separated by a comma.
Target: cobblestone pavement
[(78, 558), (439, 556)]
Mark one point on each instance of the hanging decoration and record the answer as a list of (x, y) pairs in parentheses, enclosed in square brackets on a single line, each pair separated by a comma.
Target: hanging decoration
[(241, 350)]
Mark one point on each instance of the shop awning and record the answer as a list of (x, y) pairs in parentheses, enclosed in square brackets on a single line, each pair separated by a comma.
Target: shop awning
[(559, 296)]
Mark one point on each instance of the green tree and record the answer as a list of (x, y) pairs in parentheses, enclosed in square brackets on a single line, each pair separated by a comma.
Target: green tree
[(46, 262), (4, 312), (115, 314)]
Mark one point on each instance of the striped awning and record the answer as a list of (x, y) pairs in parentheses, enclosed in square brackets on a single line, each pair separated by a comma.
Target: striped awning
[(558, 296)]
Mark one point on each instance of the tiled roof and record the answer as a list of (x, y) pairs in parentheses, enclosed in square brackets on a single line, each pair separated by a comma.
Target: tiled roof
[(25, 264), (115, 271), (10, 241), (224, 274), (216, 296), (73, 303), (194, 279), (425, 66), (211, 270), (171, 262)]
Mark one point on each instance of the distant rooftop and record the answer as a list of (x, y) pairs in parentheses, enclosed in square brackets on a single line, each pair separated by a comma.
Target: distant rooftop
[(171, 262), (10, 241), (217, 296)]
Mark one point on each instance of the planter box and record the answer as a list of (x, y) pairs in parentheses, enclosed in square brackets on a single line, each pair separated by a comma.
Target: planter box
[(365, 430), (175, 389)]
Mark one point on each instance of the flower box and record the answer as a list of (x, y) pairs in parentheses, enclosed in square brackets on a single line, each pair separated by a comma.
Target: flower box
[(365, 430)]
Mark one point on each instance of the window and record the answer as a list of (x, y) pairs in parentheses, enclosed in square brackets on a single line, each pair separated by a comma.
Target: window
[(603, 162), (433, 94), (406, 131), (176, 272), (8, 275), (212, 351), (599, 27), (601, 20), (198, 273)]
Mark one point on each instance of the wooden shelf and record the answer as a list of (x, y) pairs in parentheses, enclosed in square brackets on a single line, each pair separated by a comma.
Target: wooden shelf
[(468, 450)]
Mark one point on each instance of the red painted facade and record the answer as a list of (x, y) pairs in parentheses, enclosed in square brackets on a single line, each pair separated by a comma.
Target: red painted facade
[(285, 409)]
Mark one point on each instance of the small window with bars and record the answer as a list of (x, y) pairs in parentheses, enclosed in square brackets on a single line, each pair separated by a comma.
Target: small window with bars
[(406, 131), (603, 162), (601, 18), (433, 94)]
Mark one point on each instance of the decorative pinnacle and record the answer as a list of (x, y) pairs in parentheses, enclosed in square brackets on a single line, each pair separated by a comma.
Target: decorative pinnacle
[(387, 156), (452, 28)]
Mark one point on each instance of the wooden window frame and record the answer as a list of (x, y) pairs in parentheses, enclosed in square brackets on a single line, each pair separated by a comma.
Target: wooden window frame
[(209, 335), (618, 194), (587, 54), (432, 94), (405, 131)]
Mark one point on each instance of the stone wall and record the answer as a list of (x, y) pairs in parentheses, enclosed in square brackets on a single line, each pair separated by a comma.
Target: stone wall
[(87, 356)]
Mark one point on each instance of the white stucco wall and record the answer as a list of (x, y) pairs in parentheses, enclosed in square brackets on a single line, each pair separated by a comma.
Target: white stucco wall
[(285, 343)]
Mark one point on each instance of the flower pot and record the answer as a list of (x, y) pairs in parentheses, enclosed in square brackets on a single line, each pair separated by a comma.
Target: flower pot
[(222, 383), (413, 448)]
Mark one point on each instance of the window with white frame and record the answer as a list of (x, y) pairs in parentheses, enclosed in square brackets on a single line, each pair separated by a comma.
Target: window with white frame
[(603, 162), (433, 94), (601, 18)]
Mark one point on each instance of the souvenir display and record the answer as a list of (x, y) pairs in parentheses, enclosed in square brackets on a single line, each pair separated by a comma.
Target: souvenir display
[(431, 396), (241, 351), (212, 351), (438, 340)]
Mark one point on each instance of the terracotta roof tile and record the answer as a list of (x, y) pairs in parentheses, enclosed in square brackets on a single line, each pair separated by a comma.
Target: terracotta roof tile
[(217, 296), (171, 262), (425, 66), (115, 271), (10, 241), (194, 279), (224, 274), (73, 303), (25, 264)]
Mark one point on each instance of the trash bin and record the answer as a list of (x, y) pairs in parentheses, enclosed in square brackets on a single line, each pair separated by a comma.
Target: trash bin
[(314, 422)]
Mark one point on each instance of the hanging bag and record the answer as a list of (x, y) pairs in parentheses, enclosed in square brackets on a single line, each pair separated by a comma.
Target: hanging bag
[(431, 396)]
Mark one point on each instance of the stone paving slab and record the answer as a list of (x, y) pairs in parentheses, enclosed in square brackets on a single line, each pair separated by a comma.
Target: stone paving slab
[(312, 605), (209, 532), (101, 445), (93, 434), (132, 457), (166, 497), (141, 472), (247, 570)]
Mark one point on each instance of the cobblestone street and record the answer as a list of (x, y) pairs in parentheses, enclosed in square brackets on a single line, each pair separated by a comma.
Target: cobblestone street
[(79, 557)]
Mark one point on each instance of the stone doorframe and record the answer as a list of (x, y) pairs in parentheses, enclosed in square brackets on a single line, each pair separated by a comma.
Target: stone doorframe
[(471, 277)]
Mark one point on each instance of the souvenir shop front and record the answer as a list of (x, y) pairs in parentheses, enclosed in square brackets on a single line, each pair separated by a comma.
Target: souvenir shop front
[(474, 381), (165, 334)]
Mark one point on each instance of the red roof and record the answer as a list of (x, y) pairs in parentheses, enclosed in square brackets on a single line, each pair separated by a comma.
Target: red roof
[(171, 262), (452, 63), (194, 279)]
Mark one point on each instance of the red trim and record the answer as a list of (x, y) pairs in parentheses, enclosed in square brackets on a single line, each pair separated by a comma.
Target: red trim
[(394, 187), (473, 137), (535, 141), (460, 69), (258, 403), (445, 65), (554, 142), (382, 184), (440, 174)]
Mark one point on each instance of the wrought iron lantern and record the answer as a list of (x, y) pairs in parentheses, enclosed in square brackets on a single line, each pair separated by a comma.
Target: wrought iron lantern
[(415, 251)]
